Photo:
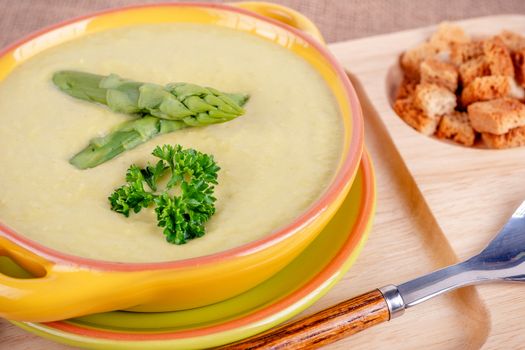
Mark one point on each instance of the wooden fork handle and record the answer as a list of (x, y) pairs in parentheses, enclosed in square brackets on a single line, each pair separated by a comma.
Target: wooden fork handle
[(325, 327)]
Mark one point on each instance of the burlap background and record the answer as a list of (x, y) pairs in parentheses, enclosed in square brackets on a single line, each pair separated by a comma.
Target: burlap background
[(337, 19)]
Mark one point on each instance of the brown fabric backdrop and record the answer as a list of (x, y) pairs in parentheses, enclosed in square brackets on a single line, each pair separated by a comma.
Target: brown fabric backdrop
[(338, 19)]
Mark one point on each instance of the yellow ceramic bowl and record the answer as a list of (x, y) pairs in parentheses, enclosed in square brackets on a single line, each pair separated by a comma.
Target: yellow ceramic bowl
[(66, 286)]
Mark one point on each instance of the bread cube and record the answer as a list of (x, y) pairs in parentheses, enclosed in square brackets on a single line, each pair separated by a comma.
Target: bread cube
[(463, 52), (498, 57), (446, 35), (434, 100), (514, 138), (439, 73), (471, 69), (484, 89), (406, 89), (415, 117), (412, 58), (497, 116), (456, 126), (513, 41)]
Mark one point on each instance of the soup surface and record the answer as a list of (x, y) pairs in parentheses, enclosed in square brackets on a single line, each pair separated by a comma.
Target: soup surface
[(276, 159)]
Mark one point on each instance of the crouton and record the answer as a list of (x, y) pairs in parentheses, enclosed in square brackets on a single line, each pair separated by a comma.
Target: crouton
[(514, 138), (434, 100), (497, 116), (485, 88), (463, 52), (406, 88), (513, 41), (415, 117), (411, 59), (446, 35), (439, 73), (456, 126), (518, 59), (498, 57), (470, 70)]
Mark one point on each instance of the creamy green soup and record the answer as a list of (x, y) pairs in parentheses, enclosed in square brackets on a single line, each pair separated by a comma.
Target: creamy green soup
[(276, 159)]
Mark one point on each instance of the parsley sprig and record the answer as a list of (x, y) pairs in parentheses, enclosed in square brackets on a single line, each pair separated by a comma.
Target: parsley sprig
[(182, 216)]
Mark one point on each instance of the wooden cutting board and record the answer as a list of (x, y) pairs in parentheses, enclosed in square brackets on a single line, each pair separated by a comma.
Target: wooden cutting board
[(437, 202), (467, 195)]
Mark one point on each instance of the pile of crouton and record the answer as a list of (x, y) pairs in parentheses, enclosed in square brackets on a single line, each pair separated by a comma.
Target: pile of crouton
[(465, 90)]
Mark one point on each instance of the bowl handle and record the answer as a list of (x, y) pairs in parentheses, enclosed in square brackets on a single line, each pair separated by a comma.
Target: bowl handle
[(58, 291), (282, 14)]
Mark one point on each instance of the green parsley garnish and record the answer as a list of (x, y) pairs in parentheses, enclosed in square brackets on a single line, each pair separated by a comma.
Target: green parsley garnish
[(182, 216)]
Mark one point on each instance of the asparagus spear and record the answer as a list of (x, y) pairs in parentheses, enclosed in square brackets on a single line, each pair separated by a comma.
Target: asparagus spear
[(160, 110), (174, 101), (126, 136)]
